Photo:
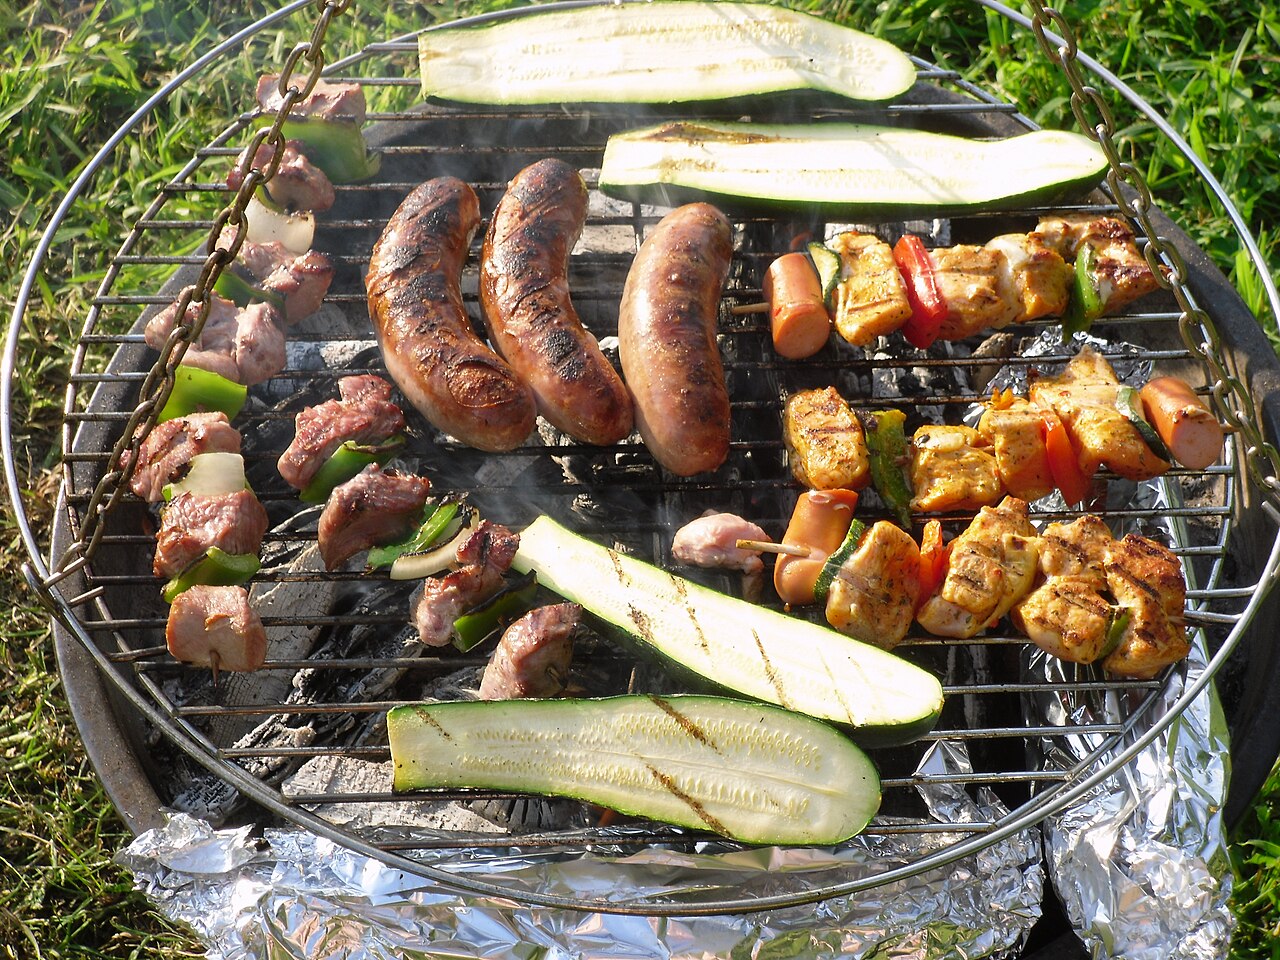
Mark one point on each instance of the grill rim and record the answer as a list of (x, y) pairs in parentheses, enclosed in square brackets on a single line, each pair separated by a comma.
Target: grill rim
[(38, 572)]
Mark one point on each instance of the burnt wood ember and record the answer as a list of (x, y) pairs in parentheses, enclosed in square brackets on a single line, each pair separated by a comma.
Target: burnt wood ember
[(363, 414), (374, 507), (169, 447)]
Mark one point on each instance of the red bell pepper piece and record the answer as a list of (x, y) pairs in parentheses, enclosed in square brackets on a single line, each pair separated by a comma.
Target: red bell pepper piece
[(1063, 463), (934, 554), (928, 308)]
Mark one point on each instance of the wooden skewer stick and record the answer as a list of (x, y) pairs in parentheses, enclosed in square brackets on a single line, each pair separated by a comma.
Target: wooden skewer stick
[(214, 662), (768, 546), (740, 309)]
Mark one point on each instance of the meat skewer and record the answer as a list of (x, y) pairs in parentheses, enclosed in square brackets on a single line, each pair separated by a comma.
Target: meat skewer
[(482, 559)]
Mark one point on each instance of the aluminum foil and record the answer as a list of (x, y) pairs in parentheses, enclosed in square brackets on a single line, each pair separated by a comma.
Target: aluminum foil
[(291, 894)]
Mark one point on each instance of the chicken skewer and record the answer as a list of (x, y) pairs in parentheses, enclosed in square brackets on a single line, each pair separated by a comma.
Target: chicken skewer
[(1075, 266)]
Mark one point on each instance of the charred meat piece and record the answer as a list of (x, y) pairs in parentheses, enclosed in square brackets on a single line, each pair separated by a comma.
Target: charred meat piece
[(970, 281), (1014, 430), (482, 560), (191, 524), (992, 565), (1084, 396), (873, 595), (299, 280), (1121, 270), (216, 627), (1066, 615), (171, 444), (374, 507), (952, 469), (1146, 580), (826, 447), (242, 344), (533, 657), (298, 183), (870, 297), (1033, 277), (363, 414), (326, 101)]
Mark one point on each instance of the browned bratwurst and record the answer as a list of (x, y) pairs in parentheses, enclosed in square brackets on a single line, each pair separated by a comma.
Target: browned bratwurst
[(667, 339), (428, 344), (524, 291)]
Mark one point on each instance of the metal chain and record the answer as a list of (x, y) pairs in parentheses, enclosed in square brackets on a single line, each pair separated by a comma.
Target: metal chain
[(219, 251), (1130, 191)]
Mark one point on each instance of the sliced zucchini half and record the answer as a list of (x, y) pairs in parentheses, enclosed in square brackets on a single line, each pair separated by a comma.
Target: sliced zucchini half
[(749, 771), (849, 169), (738, 646), (658, 52)]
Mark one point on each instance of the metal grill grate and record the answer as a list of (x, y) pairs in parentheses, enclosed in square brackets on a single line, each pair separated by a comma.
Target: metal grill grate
[(614, 494)]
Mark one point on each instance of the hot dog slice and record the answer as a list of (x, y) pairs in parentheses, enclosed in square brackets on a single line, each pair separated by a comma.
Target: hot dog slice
[(524, 290), (667, 339), (1184, 422), (428, 344)]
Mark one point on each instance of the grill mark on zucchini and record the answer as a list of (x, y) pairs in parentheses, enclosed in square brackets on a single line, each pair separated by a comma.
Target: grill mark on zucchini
[(685, 724), (618, 571), (837, 691), (682, 593), (640, 622), (770, 673), (698, 809), (431, 721)]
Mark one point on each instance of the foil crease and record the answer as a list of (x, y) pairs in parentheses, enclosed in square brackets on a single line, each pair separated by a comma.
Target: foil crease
[(292, 894)]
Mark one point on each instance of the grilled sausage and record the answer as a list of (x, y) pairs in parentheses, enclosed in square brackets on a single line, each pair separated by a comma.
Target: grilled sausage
[(524, 292), (667, 339), (428, 344)]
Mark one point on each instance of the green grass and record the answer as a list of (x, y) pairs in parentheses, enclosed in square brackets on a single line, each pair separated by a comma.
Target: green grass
[(69, 76)]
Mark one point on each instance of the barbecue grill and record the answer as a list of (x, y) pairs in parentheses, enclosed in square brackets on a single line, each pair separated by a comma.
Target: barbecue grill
[(159, 732)]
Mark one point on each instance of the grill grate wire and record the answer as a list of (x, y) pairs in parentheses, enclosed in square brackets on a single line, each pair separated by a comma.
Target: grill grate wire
[(106, 368)]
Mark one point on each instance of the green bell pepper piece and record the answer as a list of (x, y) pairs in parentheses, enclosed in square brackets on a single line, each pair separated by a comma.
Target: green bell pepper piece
[(344, 463), (475, 626), (195, 389), (215, 569), (887, 445), (435, 522), (335, 146)]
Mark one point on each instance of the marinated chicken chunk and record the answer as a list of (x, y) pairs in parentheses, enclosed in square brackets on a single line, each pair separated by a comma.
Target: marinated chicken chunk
[(216, 627), (1084, 397), (873, 596), (1014, 431), (233, 522), (167, 450), (992, 565), (826, 447), (363, 413), (1121, 269), (1033, 276), (969, 279), (1067, 615), (870, 297), (1146, 580), (374, 507), (952, 469), (534, 655)]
